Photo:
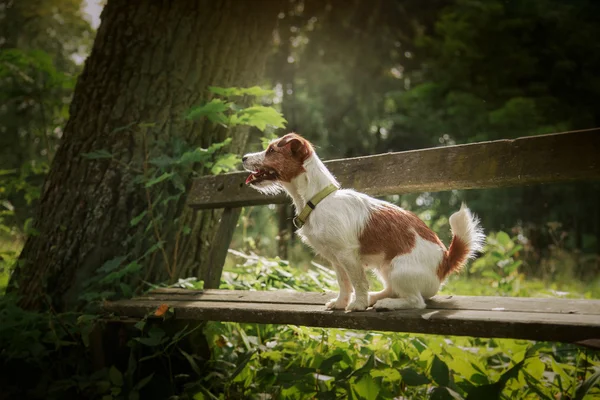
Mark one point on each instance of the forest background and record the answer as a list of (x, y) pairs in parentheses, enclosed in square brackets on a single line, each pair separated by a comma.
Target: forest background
[(356, 78)]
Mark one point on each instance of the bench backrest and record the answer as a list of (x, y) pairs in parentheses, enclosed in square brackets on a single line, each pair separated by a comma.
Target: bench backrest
[(561, 157)]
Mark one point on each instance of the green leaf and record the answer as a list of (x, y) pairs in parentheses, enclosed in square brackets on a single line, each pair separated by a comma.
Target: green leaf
[(440, 372), (130, 268), (512, 252), (419, 345), (192, 362), (159, 179), (588, 384), (493, 391), (143, 382), (257, 91), (389, 374), (194, 156), (487, 392), (152, 249), (155, 337), (162, 161), (225, 163), (413, 378), (115, 376), (95, 155), (126, 289), (327, 364), (366, 388), (138, 218), (259, 117), (533, 384), (443, 393), (213, 110), (503, 239), (225, 92), (112, 264), (218, 146), (367, 367), (140, 325), (241, 365)]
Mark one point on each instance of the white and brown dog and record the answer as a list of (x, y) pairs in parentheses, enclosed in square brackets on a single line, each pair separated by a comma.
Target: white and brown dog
[(355, 232)]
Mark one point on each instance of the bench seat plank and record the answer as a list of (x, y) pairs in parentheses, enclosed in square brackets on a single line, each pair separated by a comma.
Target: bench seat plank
[(562, 320), (483, 303)]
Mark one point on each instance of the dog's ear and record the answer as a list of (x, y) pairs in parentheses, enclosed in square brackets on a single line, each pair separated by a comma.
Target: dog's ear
[(298, 146)]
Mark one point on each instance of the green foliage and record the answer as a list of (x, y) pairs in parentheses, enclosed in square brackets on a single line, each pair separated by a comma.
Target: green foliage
[(231, 114), (498, 263)]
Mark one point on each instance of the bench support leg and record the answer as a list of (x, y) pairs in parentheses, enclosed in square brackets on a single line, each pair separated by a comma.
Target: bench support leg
[(219, 247)]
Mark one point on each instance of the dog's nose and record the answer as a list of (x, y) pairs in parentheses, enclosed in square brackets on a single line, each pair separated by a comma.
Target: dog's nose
[(244, 158)]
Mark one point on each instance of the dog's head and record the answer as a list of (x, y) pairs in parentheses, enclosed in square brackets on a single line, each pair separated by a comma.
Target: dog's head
[(282, 161)]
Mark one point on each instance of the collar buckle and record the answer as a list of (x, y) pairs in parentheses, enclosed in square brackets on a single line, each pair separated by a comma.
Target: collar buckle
[(297, 223)]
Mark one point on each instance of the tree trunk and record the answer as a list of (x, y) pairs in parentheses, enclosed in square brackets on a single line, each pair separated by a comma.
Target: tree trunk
[(151, 62)]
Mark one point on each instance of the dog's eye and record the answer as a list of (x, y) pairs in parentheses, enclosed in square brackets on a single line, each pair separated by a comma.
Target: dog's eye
[(270, 150)]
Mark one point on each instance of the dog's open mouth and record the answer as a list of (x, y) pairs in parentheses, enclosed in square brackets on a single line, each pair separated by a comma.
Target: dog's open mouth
[(260, 176)]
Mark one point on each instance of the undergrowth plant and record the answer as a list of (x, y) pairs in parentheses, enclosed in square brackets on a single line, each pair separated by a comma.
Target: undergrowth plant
[(55, 347)]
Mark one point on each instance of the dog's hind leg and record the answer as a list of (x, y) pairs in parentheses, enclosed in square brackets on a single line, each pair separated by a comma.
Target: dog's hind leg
[(383, 273), (411, 283)]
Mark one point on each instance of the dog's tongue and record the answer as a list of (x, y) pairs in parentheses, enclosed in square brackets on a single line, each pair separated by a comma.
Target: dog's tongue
[(254, 176), (250, 178)]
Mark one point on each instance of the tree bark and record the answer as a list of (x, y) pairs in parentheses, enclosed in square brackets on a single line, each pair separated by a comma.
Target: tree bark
[(151, 62)]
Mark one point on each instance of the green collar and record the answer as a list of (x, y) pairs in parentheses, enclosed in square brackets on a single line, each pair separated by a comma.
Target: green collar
[(300, 220)]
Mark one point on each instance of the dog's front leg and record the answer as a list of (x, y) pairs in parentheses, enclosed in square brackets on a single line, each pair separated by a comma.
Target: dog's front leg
[(359, 281), (341, 302)]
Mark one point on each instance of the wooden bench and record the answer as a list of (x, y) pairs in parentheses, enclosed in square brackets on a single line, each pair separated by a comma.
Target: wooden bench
[(564, 157)]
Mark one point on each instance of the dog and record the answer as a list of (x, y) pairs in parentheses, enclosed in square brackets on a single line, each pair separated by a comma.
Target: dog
[(356, 232)]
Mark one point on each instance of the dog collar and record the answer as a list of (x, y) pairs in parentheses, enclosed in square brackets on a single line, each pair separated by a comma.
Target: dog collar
[(300, 220)]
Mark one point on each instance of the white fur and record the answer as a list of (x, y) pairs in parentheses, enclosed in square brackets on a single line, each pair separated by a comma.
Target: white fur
[(334, 227), (466, 226)]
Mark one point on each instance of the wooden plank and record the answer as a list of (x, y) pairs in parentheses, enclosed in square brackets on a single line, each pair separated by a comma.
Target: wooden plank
[(446, 302), (498, 324), (219, 247), (563, 157)]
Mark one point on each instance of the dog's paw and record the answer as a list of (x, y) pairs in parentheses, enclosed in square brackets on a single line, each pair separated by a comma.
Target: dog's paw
[(385, 304), (358, 305), (337, 304)]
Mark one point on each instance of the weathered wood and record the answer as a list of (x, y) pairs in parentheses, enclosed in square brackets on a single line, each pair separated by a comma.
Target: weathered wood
[(219, 247), (535, 319), (563, 157), (448, 302)]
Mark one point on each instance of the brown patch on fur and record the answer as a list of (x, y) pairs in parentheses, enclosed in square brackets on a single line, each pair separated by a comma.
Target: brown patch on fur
[(391, 231), (286, 156), (454, 258)]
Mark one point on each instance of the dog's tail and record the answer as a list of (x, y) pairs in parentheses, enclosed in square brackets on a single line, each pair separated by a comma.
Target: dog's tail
[(467, 239)]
